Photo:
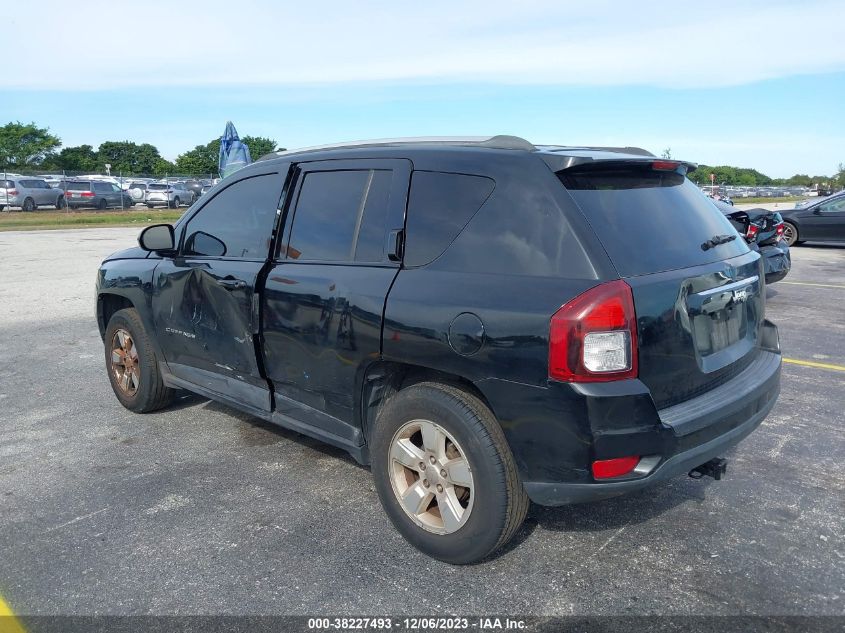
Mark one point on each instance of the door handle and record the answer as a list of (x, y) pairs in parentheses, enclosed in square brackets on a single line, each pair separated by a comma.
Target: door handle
[(232, 284)]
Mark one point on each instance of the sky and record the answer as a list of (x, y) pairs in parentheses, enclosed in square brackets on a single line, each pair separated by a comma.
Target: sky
[(748, 83)]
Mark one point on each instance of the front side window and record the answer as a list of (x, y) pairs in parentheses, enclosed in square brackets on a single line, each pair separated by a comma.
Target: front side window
[(837, 206), (237, 222), (341, 216)]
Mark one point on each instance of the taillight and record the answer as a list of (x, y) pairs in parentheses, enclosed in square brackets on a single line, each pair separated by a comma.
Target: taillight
[(751, 232), (11, 192), (593, 338), (779, 228), (616, 467), (87, 194)]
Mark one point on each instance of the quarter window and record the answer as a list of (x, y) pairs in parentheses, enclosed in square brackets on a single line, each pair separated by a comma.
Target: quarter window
[(341, 216), (237, 222)]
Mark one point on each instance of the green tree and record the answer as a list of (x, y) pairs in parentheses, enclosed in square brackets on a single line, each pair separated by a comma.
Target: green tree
[(203, 159), (79, 158), (200, 160), (26, 145), (666, 153), (129, 158), (259, 145), (839, 178)]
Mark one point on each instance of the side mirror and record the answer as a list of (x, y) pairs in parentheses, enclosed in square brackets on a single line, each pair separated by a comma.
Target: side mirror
[(202, 243), (158, 237)]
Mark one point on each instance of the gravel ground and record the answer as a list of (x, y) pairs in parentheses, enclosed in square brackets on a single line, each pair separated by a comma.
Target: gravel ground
[(199, 509)]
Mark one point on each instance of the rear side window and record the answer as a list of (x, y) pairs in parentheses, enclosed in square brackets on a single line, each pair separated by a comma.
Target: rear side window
[(102, 187), (341, 216), (439, 206), (650, 220), (29, 184), (237, 222)]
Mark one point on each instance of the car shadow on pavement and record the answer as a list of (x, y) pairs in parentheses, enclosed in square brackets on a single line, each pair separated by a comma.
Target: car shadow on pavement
[(608, 514), (257, 432)]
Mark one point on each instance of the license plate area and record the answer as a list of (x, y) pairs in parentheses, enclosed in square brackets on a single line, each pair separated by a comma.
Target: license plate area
[(723, 322)]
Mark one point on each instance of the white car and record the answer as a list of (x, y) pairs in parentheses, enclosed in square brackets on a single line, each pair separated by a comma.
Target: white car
[(167, 194)]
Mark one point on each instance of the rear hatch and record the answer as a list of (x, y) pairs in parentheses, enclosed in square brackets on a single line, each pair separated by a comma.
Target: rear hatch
[(79, 189), (157, 191), (697, 287)]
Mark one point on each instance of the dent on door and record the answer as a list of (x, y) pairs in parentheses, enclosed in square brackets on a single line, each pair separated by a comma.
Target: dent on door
[(205, 322)]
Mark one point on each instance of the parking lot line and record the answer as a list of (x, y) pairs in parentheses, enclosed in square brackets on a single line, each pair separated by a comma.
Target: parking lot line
[(809, 363), (8, 621), (812, 283)]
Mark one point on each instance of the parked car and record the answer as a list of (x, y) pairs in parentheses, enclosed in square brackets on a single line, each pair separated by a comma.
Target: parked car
[(29, 194), (823, 220), (167, 194), (194, 186), (137, 191), (483, 323), (97, 194), (764, 231)]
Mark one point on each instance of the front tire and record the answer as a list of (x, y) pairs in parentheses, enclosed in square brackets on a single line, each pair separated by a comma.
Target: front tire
[(132, 364), (445, 474), (102, 205)]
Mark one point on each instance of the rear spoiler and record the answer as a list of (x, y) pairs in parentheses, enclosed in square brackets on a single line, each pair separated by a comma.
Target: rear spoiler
[(560, 162)]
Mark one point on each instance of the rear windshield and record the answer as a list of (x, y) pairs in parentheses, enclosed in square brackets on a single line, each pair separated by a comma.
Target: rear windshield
[(79, 186), (157, 187), (7, 184), (648, 220)]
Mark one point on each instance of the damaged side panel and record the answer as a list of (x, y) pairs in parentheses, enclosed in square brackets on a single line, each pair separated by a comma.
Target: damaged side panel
[(205, 316)]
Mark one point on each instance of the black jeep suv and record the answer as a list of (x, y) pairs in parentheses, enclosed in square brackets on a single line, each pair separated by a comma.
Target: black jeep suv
[(484, 322)]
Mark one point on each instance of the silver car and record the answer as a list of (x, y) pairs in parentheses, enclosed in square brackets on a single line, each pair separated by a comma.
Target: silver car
[(29, 194), (168, 194)]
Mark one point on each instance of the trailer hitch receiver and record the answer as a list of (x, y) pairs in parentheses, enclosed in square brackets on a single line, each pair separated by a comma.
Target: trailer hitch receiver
[(715, 468)]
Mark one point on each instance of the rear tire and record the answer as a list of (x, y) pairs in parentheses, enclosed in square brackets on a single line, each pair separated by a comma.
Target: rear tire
[(491, 508), (135, 379), (150, 206), (28, 205), (790, 234), (61, 203)]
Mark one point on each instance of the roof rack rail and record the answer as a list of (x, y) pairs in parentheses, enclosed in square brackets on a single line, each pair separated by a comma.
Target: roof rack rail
[(501, 141)]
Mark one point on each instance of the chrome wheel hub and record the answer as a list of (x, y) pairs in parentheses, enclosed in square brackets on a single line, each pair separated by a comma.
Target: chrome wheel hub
[(431, 477)]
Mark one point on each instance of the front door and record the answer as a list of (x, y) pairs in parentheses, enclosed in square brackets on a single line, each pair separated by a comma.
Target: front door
[(205, 306), (324, 296)]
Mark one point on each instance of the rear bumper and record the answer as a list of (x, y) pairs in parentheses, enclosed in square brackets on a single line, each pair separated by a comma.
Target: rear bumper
[(687, 435)]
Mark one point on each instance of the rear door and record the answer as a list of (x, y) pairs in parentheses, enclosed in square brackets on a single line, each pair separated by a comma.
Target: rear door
[(698, 289), (324, 296), (205, 302)]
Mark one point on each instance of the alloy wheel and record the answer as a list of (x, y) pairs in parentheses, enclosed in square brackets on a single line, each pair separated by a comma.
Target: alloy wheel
[(431, 477), (124, 362)]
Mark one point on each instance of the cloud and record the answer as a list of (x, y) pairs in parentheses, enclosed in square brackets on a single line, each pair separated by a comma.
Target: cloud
[(161, 44)]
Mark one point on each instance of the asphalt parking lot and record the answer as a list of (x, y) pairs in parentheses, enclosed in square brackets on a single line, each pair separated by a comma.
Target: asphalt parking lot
[(199, 509)]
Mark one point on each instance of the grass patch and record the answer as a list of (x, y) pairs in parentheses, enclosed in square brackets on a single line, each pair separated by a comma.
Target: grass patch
[(37, 220), (767, 200)]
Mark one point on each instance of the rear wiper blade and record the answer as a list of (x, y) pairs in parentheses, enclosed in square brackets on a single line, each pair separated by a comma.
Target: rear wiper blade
[(716, 240)]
